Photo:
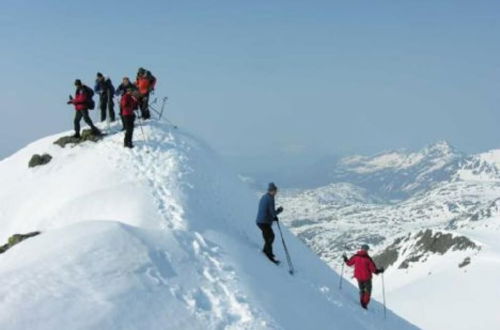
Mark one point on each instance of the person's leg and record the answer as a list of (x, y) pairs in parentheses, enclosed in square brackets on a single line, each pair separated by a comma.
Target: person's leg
[(268, 235), (368, 291), (146, 112), (129, 126), (76, 123), (111, 106), (364, 292), (86, 118), (103, 100)]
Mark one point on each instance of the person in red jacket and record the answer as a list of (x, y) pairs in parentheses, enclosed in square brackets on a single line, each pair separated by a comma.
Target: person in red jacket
[(128, 104), (82, 101), (364, 267)]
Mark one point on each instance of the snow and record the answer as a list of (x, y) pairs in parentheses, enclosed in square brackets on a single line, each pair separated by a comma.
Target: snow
[(449, 297), (364, 165), (158, 237)]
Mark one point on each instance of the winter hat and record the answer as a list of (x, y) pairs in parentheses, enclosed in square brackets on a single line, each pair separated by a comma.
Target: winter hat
[(272, 187), (78, 82), (99, 75), (365, 247)]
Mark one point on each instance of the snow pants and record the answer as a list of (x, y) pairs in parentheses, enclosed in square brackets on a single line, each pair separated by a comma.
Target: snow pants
[(106, 102), (268, 235), (365, 292), (144, 106), (85, 115), (128, 124)]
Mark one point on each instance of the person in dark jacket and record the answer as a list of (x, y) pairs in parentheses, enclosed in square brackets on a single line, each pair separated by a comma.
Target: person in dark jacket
[(81, 101), (267, 213), (364, 267), (104, 87), (128, 104), (121, 90)]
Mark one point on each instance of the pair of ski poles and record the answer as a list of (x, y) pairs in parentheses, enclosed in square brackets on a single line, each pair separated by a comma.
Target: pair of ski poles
[(383, 285)]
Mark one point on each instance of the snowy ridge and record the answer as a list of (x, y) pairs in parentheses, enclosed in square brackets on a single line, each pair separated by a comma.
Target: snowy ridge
[(158, 237)]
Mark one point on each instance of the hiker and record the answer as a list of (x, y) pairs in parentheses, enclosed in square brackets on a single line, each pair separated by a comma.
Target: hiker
[(364, 267), (265, 217), (128, 104), (145, 83), (83, 102), (104, 87), (122, 90)]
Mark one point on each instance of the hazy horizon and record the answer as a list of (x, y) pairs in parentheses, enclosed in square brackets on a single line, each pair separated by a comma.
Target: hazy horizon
[(276, 82)]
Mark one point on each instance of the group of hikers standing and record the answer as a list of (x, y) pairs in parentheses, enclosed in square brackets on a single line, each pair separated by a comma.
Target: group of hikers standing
[(133, 96), (364, 266)]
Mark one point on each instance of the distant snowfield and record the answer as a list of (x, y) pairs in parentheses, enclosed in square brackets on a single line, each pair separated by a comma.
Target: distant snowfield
[(159, 237)]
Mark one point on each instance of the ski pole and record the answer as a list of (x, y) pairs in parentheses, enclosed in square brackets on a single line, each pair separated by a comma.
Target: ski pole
[(383, 295), (142, 130), (166, 119), (108, 110), (341, 275), (163, 106), (342, 269), (288, 259)]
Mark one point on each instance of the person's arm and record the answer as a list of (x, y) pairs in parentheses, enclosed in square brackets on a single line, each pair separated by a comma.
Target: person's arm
[(111, 88), (351, 261), (97, 87), (271, 209), (374, 269)]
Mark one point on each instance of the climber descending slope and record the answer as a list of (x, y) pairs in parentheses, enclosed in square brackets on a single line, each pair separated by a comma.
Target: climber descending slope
[(266, 215)]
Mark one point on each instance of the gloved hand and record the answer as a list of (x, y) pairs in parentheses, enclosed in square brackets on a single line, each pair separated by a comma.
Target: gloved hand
[(69, 102), (279, 209), (345, 258), (380, 270), (276, 219)]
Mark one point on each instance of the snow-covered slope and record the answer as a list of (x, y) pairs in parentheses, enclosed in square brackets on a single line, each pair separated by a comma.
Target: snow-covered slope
[(464, 203), (158, 237)]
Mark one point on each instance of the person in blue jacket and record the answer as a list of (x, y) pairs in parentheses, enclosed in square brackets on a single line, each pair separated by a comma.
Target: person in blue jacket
[(265, 217)]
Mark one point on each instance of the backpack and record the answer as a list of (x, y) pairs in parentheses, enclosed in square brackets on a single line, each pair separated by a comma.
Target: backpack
[(90, 94)]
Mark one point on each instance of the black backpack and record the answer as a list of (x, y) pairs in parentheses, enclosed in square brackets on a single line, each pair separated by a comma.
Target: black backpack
[(90, 94)]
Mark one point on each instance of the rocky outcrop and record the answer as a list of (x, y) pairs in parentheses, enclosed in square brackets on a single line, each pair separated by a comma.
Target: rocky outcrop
[(38, 160), (86, 135), (15, 239), (417, 247)]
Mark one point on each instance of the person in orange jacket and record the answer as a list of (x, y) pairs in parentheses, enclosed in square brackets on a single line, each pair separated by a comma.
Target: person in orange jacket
[(145, 83), (364, 267)]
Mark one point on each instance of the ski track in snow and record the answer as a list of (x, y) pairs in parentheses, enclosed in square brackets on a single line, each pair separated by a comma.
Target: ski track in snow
[(218, 303)]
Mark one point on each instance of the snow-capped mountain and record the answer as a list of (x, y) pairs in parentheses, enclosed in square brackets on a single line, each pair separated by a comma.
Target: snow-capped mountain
[(399, 174), (449, 193), (158, 237)]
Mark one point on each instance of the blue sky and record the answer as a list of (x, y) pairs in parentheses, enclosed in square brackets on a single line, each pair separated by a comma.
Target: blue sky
[(266, 79)]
